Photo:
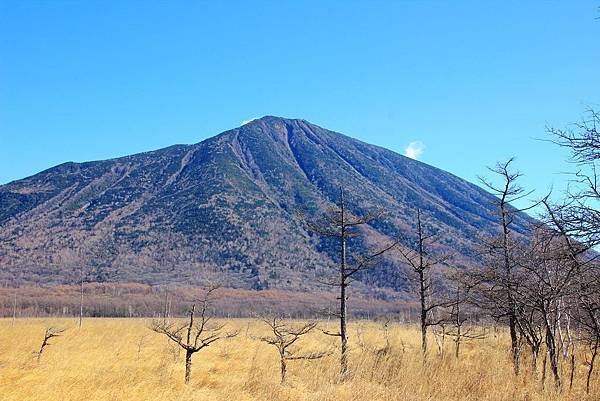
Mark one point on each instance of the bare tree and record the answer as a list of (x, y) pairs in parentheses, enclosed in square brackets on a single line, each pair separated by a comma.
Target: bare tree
[(81, 278), (550, 274), (284, 337), (577, 218), (581, 272), (421, 260), (580, 212), (501, 275), (14, 311), (587, 316), (198, 333), (51, 332), (378, 352), (341, 224), (456, 319), (582, 139)]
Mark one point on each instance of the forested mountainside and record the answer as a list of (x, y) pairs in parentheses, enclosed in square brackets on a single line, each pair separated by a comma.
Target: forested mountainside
[(227, 209)]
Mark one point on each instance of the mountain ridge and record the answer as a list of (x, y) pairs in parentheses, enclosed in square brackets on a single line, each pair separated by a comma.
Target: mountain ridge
[(225, 208)]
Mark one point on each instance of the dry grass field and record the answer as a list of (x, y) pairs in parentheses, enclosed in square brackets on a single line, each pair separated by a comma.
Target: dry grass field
[(122, 359)]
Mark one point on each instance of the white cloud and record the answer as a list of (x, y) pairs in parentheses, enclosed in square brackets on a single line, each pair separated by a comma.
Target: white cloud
[(414, 150), (248, 121)]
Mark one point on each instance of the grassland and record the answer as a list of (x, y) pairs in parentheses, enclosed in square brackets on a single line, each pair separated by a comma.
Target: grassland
[(121, 359)]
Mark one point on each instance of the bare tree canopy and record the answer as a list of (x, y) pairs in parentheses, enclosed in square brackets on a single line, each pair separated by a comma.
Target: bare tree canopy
[(198, 333), (284, 337), (341, 224), (421, 259), (497, 282), (51, 332)]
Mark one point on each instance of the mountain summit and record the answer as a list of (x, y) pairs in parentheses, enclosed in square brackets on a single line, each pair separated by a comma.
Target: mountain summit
[(226, 208)]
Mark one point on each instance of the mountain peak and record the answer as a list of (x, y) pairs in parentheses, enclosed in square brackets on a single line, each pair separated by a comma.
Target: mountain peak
[(225, 209), (270, 119)]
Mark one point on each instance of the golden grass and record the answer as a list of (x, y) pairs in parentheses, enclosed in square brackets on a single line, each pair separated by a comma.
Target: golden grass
[(121, 359)]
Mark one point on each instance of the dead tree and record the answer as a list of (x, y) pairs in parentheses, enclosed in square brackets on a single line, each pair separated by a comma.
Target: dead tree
[(580, 212), (582, 265), (587, 317), (578, 219), (14, 311), (422, 261), (284, 337), (198, 333), (456, 320), (531, 328), (501, 249), (339, 223), (81, 278), (379, 353), (51, 332), (550, 276)]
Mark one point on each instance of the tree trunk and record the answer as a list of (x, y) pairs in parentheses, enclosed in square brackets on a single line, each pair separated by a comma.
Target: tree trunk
[(544, 371), (535, 350), (457, 342), (512, 316), (188, 365), (572, 375), (422, 289), (591, 368), (343, 284), (423, 316), (343, 334), (514, 341), (81, 300), (283, 369), (14, 316), (551, 346)]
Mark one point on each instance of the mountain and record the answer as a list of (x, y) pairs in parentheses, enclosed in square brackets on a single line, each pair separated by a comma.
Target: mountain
[(226, 209)]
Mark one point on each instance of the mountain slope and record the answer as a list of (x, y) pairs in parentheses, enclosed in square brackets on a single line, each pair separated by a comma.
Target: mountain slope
[(225, 209)]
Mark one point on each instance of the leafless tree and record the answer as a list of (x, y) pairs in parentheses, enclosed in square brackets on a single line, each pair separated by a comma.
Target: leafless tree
[(380, 353), (577, 218), (579, 213), (500, 274), (198, 333), (284, 337), (531, 328), (582, 139), (456, 317), (341, 224), (581, 264), (14, 311), (421, 258), (587, 316), (81, 278), (140, 345), (550, 274), (51, 332)]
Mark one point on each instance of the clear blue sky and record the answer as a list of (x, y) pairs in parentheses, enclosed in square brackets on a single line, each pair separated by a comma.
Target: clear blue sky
[(473, 81)]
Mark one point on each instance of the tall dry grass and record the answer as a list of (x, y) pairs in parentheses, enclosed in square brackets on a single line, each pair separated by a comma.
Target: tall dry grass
[(121, 359)]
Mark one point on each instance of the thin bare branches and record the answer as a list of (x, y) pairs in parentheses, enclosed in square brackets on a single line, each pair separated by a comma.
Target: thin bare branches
[(421, 262), (51, 332), (283, 336), (341, 224), (582, 139), (198, 333)]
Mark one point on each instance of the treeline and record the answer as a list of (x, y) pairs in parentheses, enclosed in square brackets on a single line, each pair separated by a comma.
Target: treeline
[(141, 300)]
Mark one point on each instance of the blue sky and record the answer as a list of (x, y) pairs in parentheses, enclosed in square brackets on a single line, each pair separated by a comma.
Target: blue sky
[(470, 82)]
